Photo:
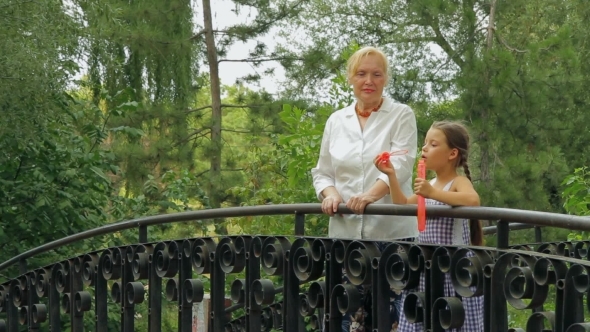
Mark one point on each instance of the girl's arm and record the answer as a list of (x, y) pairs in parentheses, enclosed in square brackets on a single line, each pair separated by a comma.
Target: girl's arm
[(461, 192), (395, 190)]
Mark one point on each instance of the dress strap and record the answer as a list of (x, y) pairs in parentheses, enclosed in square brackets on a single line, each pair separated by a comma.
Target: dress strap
[(446, 187)]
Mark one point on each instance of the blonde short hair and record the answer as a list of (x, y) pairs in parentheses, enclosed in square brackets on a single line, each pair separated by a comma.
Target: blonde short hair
[(355, 61)]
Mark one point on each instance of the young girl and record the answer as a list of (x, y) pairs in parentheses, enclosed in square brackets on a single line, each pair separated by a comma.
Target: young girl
[(445, 149)]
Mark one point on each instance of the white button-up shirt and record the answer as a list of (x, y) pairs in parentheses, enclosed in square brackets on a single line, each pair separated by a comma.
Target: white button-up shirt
[(346, 162)]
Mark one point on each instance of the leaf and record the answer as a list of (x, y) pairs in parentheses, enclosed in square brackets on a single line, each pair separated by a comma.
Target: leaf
[(100, 173), (128, 106), (132, 132)]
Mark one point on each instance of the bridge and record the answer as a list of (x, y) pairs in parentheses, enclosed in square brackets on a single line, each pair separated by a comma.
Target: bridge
[(292, 282)]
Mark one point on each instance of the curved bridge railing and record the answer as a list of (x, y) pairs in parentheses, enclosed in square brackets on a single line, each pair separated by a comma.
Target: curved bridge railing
[(294, 282)]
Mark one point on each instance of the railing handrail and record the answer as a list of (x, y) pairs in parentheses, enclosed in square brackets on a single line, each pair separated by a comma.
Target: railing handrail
[(512, 226), (535, 218)]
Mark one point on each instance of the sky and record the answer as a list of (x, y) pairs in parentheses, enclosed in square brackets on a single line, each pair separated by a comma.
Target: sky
[(223, 16)]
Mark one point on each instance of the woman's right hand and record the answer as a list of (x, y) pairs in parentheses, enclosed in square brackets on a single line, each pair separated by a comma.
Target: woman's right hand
[(330, 204)]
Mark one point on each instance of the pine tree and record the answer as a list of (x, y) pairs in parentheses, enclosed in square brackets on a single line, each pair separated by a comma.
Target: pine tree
[(268, 14)]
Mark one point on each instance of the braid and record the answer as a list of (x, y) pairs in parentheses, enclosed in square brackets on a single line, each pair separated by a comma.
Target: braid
[(475, 227), (466, 169)]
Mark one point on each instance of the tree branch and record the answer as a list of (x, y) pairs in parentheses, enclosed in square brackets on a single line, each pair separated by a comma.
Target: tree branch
[(261, 59), (444, 44), (232, 169), (503, 42), (244, 131), (203, 31), (203, 172), (417, 39), (194, 133), (20, 164), (223, 170), (198, 109), (260, 26)]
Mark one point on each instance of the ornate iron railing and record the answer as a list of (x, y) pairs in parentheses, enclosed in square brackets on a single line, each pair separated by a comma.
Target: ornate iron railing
[(277, 281)]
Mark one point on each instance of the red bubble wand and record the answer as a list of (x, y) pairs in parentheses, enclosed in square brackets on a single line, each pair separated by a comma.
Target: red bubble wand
[(384, 157)]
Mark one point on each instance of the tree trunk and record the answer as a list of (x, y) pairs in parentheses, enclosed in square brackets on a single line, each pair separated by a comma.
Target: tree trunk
[(484, 141), (215, 168)]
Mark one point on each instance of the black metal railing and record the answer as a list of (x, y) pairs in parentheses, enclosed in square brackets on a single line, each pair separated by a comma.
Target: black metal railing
[(294, 282)]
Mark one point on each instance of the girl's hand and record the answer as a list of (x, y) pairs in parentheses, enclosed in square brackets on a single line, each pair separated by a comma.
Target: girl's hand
[(384, 164), (423, 188)]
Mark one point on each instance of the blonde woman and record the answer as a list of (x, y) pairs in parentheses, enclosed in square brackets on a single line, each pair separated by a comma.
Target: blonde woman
[(345, 172)]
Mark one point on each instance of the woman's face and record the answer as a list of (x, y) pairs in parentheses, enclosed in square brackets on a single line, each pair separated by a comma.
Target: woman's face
[(369, 80)]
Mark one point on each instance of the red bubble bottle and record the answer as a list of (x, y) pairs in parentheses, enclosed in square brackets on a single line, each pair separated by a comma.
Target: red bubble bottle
[(421, 200)]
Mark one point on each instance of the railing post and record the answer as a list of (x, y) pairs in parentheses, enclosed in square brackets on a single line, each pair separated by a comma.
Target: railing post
[(143, 234), (22, 266), (11, 313), (75, 285), (299, 223), (253, 310), (155, 293), (218, 315), (538, 234), (184, 274), (503, 234)]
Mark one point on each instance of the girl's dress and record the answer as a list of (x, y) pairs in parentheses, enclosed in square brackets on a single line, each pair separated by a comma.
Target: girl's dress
[(447, 231)]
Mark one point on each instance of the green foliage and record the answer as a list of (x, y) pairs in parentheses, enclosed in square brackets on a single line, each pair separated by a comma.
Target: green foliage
[(302, 143), (144, 49), (38, 44), (576, 196), (577, 192), (281, 175), (58, 183)]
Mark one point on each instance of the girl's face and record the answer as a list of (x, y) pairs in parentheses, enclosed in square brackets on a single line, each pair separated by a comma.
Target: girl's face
[(436, 152)]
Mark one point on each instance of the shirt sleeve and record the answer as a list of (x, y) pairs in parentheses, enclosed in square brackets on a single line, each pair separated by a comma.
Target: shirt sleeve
[(323, 174), (404, 137)]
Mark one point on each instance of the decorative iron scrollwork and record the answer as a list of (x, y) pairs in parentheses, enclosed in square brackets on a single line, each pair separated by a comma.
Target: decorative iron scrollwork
[(276, 282)]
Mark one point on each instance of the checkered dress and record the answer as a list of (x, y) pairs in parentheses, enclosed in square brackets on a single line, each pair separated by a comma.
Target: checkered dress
[(447, 231)]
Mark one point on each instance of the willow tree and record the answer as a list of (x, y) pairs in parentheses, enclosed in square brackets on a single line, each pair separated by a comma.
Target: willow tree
[(36, 58), (143, 48)]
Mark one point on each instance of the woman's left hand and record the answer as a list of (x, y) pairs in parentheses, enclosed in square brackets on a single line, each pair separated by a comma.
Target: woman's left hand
[(423, 188), (358, 203)]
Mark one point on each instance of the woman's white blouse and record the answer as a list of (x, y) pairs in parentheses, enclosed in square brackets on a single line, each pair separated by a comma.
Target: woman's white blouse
[(346, 162)]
